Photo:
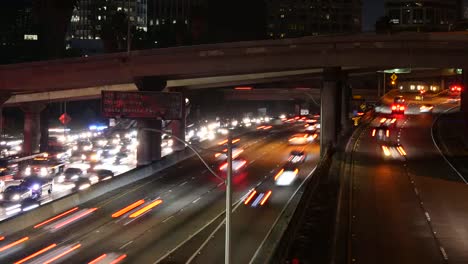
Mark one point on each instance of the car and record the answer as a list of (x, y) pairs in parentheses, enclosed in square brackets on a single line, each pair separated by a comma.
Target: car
[(299, 139), (286, 176), (90, 156), (44, 167), (223, 155), (297, 156), (70, 175), (399, 99), (85, 181), (237, 165), (257, 197), (121, 158), (381, 132), (103, 174), (16, 193), (83, 145), (398, 109), (58, 153), (38, 185), (426, 108)]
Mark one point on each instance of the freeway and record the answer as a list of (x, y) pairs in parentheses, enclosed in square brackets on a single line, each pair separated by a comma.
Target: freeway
[(408, 204), (143, 221)]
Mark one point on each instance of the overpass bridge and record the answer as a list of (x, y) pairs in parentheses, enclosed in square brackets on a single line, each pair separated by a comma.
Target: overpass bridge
[(161, 69)]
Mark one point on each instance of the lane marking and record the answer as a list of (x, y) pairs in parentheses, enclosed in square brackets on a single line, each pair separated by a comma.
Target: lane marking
[(167, 219), (126, 244), (196, 200)]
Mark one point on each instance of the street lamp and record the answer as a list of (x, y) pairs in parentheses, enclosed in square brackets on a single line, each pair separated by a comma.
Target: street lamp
[(227, 182)]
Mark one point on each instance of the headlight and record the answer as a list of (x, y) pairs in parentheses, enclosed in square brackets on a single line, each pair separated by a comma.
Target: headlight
[(74, 177), (83, 156), (15, 197), (35, 187), (87, 148), (1, 196), (61, 178), (94, 157), (44, 172), (27, 171), (75, 147), (59, 155)]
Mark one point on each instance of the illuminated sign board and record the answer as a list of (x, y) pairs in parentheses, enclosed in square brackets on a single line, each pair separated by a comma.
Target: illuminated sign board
[(155, 105)]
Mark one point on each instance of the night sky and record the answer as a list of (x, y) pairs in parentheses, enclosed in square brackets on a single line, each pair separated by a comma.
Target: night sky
[(371, 11)]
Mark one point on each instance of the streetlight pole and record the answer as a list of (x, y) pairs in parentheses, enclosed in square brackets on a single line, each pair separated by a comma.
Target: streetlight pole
[(227, 249)]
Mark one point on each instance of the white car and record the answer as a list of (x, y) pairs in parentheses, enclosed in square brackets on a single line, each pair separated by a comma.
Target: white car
[(286, 176), (426, 108)]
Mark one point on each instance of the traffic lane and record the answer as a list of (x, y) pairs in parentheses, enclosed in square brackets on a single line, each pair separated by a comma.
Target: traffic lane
[(190, 216), (145, 252), (94, 224), (443, 193), (251, 224), (388, 224)]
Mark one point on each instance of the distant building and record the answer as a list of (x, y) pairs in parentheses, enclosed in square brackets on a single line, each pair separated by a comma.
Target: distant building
[(295, 18), (423, 15), (18, 39), (89, 17)]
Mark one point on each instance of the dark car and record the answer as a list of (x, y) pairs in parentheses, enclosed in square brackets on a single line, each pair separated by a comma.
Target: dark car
[(38, 185), (104, 174), (16, 193), (121, 158), (70, 175)]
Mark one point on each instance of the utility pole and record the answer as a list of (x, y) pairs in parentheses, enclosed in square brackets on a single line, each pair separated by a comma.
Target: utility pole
[(227, 255)]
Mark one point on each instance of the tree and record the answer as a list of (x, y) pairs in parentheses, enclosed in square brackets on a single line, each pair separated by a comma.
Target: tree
[(51, 19)]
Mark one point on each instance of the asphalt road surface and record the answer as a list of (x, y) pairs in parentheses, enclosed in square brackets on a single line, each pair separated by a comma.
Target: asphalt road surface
[(408, 204), (182, 202)]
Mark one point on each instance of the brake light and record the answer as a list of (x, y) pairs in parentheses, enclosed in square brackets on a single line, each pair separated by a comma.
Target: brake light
[(373, 132), (388, 133), (402, 108), (394, 107)]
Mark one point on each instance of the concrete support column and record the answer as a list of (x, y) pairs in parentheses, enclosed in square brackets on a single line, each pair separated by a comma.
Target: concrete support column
[(155, 139), (149, 147), (44, 126), (145, 146), (32, 127), (345, 104), (464, 96), (178, 130), (329, 110)]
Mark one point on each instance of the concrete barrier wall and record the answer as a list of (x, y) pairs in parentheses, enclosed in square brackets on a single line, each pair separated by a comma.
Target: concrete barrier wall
[(46, 211)]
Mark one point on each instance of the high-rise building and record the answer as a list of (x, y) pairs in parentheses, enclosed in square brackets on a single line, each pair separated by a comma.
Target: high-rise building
[(295, 18), (90, 16), (18, 38), (423, 15)]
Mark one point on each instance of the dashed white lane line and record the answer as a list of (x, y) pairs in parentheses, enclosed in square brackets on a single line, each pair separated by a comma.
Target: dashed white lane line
[(196, 200), (126, 244), (182, 184), (167, 219)]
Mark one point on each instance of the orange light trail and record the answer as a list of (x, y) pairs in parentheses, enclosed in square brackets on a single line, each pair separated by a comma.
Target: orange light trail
[(265, 198), (146, 208), (2, 238), (260, 127), (118, 259), (75, 218), (36, 254), (96, 260), (251, 195), (388, 133), (56, 217), (128, 208), (373, 132), (223, 142), (17, 242), (62, 254), (278, 174), (236, 140)]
